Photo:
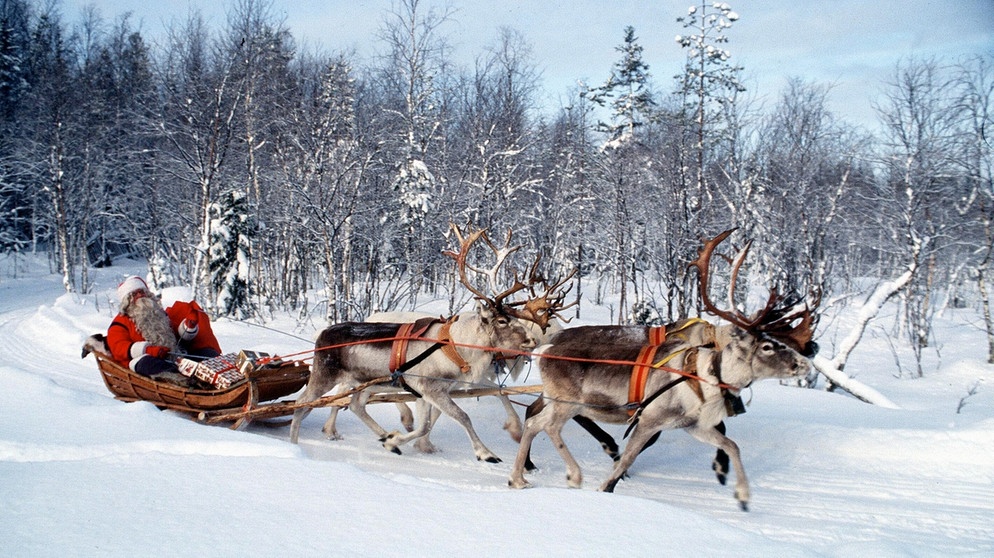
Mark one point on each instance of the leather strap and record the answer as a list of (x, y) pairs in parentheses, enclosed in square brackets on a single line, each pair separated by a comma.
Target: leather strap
[(407, 332), (640, 374), (449, 349), (657, 335)]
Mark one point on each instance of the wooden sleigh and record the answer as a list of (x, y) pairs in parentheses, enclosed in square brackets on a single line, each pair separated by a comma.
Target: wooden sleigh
[(255, 398), (261, 386)]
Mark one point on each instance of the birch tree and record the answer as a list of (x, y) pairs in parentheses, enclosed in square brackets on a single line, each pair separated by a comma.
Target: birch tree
[(196, 127), (920, 136)]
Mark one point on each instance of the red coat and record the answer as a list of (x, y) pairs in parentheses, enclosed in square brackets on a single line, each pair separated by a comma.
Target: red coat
[(123, 333)]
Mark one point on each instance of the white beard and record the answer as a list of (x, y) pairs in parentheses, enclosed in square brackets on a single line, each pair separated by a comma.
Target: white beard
[(152, 322)]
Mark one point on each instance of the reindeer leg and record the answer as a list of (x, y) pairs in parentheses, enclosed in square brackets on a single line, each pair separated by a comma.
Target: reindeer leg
[(534, 423), (712, 436), (720, 463), (422, 427), (329, 428), (444, 402), (298, 416), (513, 423), (406, 416), (423, 444), (320, 383), (607, 441), (574, 476), (641, 437), (358, 406), (532, 410)]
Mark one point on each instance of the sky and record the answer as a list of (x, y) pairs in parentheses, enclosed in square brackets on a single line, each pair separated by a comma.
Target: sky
[(850, 45)]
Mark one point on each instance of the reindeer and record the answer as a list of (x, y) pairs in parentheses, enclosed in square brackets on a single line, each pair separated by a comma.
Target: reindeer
[(350, 354), (689, 392), (692, 332), (514, 369)]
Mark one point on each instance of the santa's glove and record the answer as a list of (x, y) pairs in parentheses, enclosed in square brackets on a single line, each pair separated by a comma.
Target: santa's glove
[(189, 328), (145, 348)]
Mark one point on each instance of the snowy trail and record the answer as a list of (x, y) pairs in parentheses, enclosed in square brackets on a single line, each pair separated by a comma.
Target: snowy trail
[(798, 492)]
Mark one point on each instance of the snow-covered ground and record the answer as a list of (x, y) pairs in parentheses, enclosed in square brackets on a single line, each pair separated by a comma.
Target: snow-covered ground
[(82, 474)]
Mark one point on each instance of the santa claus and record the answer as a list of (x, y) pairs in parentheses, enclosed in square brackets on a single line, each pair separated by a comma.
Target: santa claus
[(147, 338)]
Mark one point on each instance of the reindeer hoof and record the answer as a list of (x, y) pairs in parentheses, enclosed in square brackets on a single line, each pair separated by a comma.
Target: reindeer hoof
[(490, 459), (388, 442), (518, 484), (744, 506), (425, 446), (720, 468)]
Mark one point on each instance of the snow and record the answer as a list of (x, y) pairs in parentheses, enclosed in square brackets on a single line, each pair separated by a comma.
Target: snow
[(86, 475)]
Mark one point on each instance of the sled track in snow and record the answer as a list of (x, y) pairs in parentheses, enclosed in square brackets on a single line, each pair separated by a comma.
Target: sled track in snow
[(787, 503)]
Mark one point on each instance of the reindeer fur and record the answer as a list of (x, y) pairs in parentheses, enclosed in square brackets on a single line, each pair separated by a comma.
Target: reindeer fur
[(433, 378), (600, 392), (681, 334)]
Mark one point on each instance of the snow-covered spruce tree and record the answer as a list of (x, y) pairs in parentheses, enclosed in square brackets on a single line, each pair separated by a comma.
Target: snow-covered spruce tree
[(15, 205), (413, 185), (626, 92), (229, 255), (622, 162)]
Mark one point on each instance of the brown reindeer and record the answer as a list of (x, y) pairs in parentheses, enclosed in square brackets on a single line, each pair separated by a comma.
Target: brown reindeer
[(692, 332), (575, 383), (351, 354)]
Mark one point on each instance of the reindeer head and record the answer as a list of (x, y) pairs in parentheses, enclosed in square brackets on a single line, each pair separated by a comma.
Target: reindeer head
[(788, 320), (538, 309)]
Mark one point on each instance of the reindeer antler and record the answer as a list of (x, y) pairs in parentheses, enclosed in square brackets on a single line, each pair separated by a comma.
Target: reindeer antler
[(771, 320), (703, 265), (495, 300), (541, 309), (537, 309)]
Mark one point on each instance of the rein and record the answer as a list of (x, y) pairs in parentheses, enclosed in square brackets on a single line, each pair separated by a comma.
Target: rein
[(512, 352)]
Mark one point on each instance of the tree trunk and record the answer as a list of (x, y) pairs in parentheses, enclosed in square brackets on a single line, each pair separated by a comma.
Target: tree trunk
[(59, 206), (985, 300)]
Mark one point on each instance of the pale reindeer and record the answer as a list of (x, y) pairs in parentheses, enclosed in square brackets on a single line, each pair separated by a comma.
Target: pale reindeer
[(348, 354), (764, 346), (512, 367)]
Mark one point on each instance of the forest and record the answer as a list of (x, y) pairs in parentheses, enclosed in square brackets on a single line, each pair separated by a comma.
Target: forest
[(270, 178)]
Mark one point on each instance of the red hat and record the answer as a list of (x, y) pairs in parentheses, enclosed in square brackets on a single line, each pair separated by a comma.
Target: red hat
[(128, 286)]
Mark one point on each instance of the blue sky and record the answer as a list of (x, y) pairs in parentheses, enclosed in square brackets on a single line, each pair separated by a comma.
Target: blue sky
[(852, 45)]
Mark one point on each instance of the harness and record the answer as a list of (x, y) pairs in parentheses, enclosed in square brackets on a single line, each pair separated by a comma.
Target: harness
[(644, 364), (416, 330)]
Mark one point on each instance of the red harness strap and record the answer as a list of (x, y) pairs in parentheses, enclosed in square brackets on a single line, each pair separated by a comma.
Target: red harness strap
[(657, 335), (398, 352), (640, 374)]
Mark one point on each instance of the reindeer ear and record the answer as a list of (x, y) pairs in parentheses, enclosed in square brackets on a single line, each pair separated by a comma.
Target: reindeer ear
[(486, 312)]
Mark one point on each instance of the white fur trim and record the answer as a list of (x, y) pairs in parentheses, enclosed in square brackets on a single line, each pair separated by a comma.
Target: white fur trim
[(187, 334), (138, 349), (128, 286)]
